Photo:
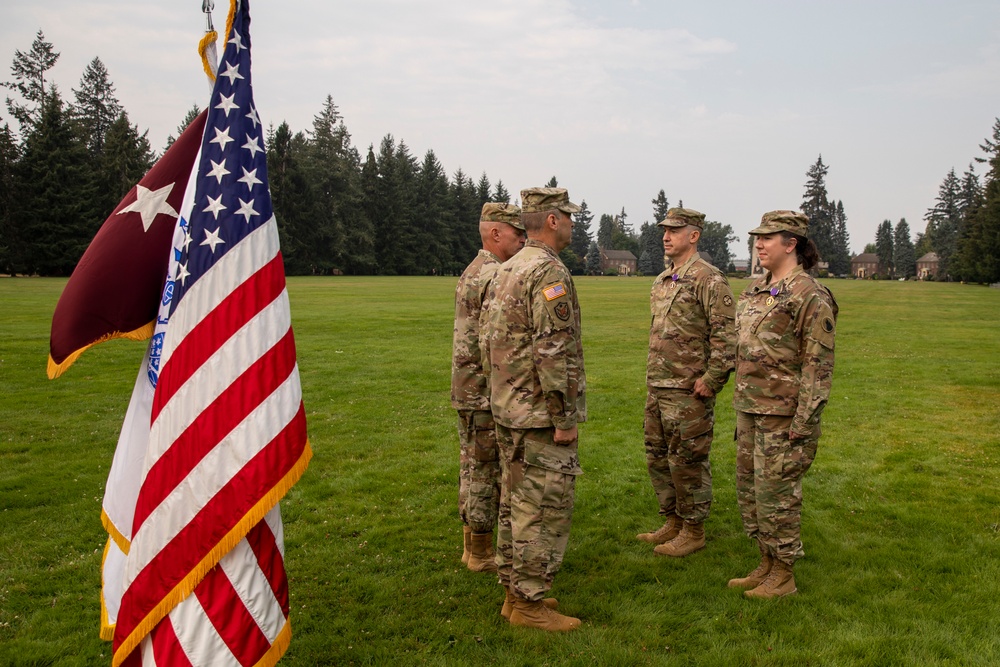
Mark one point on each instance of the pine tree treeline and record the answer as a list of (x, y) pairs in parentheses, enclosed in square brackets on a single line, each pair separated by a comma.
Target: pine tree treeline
[(67, 167), (827, 221), (963, 225)]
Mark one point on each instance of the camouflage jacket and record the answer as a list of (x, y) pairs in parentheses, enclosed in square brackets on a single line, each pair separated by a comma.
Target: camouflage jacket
[(692, 334), (784, 349), (469, 388), (531, 339)]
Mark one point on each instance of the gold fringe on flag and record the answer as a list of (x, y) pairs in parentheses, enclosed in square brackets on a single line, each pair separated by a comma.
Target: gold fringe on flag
[(185, 587)]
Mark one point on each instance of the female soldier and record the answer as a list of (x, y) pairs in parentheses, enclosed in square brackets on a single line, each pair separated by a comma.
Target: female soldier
[(785, 324)]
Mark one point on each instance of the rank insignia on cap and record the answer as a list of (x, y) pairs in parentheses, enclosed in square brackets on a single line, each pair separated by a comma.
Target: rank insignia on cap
[(554, 291)]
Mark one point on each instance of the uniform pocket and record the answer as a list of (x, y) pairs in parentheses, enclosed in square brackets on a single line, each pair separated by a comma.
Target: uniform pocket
[(550, 456), (697, 419)]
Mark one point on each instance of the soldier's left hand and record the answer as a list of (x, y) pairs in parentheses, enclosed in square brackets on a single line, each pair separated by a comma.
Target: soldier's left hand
[(702, 390)]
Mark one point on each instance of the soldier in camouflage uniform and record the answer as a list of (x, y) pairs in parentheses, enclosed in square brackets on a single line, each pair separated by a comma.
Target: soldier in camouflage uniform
[(479, 466), (537, 390), (785, 322), (692, 346)]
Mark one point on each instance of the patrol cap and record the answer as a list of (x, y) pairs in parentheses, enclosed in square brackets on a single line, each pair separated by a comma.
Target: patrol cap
[(501, 212), (534, 200), (682, 217), (783, 221)]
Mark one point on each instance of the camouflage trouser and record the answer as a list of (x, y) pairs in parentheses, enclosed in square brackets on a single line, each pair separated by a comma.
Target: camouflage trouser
[(479, 470), (536, 508), (678, 435), (769, 472)]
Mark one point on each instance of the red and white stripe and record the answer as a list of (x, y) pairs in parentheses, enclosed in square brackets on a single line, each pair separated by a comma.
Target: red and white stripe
[(228, 435)]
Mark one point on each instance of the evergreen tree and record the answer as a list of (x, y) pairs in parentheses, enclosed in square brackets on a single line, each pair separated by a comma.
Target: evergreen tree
[(944, 222), (291, 197), (605, 231), (715, 240), (483, 190), (580, 241), (501, 195), (29, 71), (622, 236), (921, 247), (10, 245), (650, 249), (54, 215), (96, 107), (125, 157), (980, 258), (870, 248), (660, 206), (464, 234), (840, 256), (816, 205), (884, 247), (573, 262), (594, 260), (433, 225), (189, 117), (553, 183), (904, 258)]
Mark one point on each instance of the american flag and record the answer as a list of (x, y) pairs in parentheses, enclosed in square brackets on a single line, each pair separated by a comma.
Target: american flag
[(203, 578)]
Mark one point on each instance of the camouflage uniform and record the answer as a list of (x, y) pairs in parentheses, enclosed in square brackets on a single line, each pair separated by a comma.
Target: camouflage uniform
[(537, 382), (691, 337), (784, 368), (479, 463)]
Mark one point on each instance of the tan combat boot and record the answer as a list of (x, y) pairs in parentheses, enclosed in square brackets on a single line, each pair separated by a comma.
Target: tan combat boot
[(779, 583), (665, 533), (466, 539), (510, 599), (690, 539), (528, 614), (757, 577), (481, 558)]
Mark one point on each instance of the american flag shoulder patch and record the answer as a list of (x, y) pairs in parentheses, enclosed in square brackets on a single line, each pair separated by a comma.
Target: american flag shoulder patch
[(554, 291)]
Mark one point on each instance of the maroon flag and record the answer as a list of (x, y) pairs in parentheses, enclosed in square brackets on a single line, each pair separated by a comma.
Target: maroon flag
[(115, 289)]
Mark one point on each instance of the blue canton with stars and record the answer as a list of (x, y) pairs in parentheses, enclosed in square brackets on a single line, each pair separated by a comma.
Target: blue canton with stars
[(232, 197)]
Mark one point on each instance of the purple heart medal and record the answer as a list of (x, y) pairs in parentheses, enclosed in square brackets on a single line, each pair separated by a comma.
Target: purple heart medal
[(770, 299), (673, 279)]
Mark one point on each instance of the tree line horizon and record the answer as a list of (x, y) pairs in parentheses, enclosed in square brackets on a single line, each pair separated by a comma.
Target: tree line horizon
[(390, 213)]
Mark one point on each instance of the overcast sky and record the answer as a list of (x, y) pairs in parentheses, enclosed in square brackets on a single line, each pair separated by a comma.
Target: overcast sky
[(724, 105)]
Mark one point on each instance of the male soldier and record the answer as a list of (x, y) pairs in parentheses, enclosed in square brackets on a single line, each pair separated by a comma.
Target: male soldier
[(692, 348), (479, 467), (532, 342)]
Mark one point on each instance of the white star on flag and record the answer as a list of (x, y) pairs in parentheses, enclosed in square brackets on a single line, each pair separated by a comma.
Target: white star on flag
[(214, 206), (254, 118), (222, 138), (252, 146), (246, 210), (212, 239), (218, 170), (182, 271), (226, 103), (232, 73), (250, 178), (150, 203)]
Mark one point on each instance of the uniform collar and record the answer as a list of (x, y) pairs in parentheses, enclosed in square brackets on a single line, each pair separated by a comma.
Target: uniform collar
[(489, 255), (767, 285), (535, 243), (685, 267)]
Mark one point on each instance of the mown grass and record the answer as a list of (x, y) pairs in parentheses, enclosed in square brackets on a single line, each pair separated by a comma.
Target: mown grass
[(902, 508)]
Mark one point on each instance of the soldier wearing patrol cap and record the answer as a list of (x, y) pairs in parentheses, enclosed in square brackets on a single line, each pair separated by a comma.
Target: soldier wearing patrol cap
[(692, 346), (537, 391), (479, 467), (785, 326)]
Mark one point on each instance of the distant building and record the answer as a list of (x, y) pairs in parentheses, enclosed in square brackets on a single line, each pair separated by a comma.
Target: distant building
[(865, 265), (927, 266), (623, 261), (741, 265)]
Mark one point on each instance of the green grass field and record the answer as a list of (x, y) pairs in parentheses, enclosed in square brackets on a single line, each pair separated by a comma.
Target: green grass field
[(901, 519)]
